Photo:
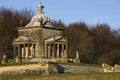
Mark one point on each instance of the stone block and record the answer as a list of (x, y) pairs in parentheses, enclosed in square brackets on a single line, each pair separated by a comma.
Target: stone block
[(77, 60), (17, 60), (3, 61)]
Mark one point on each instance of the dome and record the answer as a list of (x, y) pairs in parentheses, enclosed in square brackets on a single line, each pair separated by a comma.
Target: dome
[(40, 18)]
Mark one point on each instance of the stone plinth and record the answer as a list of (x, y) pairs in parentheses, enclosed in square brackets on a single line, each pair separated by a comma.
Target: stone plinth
[(77, 60), (3, 61), (17, 60), (65, 60)]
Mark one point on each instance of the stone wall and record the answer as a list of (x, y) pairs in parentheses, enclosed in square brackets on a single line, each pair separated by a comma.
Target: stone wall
[(47, 68), (35, 33), (39, 34), (47, 33), (42, 68)]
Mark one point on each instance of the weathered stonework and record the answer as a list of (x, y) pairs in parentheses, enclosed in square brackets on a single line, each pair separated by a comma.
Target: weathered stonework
[(42, 40)]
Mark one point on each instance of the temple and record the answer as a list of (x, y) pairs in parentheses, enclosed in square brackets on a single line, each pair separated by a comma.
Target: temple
[(40, 39)]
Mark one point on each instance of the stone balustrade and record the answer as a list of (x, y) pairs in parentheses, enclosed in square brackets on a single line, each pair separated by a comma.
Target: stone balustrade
[(108, 68)]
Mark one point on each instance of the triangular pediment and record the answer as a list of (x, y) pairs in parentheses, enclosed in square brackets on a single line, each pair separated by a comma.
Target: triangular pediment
[(56, 39), (23, 39), (62, 40)]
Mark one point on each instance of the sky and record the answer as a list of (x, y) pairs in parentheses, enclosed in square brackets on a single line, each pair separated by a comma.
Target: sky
[(69, 11)]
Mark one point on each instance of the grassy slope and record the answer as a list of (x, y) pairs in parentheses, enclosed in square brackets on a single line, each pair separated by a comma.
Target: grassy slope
[(66, 76)]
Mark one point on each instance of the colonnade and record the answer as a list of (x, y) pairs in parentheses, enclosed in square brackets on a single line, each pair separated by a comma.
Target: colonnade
[(55, 50), (51, 50), (24, 50)]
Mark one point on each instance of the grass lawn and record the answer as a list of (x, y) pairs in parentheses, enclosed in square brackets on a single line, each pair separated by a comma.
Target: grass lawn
[(65, 76)]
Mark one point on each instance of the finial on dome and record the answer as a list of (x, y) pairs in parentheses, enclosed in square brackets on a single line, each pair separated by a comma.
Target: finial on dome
[(40, 8), (40, 18)]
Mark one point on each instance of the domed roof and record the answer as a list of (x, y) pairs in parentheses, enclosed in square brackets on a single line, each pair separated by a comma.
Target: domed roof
[(40, 18)]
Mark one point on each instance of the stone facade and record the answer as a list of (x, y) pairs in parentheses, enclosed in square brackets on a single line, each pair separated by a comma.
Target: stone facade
[(40, 38)]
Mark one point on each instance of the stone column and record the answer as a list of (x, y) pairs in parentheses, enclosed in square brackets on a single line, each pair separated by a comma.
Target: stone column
[(14, 51), (53, 51), (32, 51), (19, 51), (57, 50), (26, 52), (66, 50), (62, 54), (22, 52), (46, 50), (49, 51)]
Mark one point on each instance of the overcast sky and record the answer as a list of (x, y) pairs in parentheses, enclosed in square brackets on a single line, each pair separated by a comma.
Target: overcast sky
[(90, 11)]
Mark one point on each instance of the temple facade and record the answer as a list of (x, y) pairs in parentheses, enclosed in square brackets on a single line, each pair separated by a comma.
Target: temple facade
[(40, 39)]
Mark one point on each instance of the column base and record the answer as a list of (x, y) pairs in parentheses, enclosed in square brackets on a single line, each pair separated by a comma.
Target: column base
[(64, 60), (4, 61), (77, 60), (17, 60)]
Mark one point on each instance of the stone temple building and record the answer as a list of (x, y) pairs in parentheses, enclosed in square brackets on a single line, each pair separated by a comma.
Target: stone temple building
[(40, 39)]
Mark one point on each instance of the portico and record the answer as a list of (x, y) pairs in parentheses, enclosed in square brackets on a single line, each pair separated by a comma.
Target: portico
[(24, 48), (39, 40), (55, 50), (55, 47)]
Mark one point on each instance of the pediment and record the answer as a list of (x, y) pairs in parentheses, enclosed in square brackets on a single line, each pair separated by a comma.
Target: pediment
[(23, 39), (56, 39), (62, 40)]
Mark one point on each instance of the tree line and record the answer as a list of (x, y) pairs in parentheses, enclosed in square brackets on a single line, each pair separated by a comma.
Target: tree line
[(10, 20), (95, 44)]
